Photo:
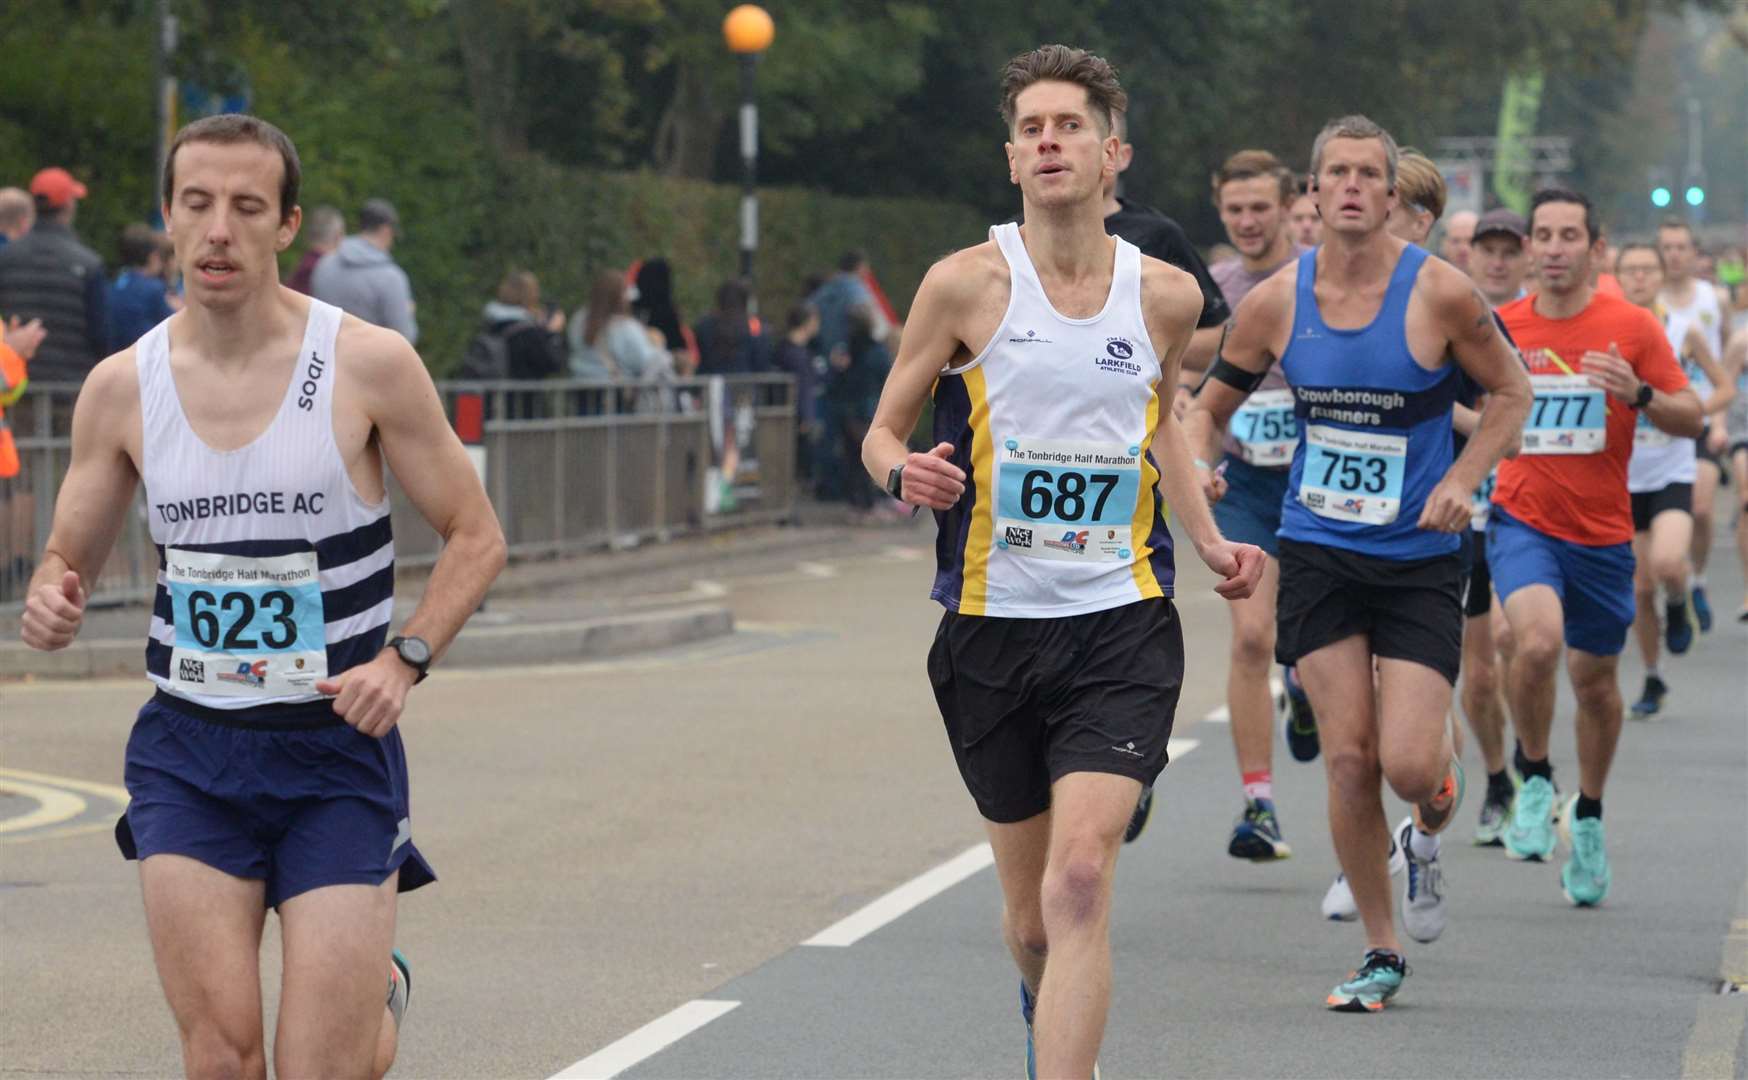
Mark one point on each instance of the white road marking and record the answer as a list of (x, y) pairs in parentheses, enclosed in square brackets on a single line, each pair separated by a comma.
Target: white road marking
[(905, 554), (709, 589), (1223, 715), (925, 886), (1177, 748), (650, 1039), (817, 569)]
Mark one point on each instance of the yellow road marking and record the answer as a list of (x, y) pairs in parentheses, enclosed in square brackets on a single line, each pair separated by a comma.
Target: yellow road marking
[(59, 799), (53, 806)]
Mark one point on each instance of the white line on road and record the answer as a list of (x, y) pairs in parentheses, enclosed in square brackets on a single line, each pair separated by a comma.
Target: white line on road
[(850, 930), (1223, 715), (1177, 748), (817, 569), (651, 1038)]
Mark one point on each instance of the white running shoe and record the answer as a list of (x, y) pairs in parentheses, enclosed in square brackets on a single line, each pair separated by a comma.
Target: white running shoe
[(1424, 915), (1338, 905)]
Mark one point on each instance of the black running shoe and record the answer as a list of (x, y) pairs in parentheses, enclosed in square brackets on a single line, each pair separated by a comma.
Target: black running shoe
[(1301, 724), (1138, 820), (1650, 703)]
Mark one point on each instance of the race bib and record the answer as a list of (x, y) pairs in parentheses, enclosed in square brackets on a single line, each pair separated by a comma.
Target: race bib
[(1266, 429), (246, 627), (1481, 504), (1648, 434), (1353, 475), (1569, 416), (1067, 501)]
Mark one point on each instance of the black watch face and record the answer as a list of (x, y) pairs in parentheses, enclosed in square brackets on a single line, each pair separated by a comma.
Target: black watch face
[(414, 651)]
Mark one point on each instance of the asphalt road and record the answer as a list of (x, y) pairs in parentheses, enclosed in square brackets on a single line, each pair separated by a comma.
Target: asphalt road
[(621, 840)]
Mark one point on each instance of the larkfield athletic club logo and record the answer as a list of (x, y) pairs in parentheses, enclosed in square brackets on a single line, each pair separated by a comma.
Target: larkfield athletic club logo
[(1119, 357)]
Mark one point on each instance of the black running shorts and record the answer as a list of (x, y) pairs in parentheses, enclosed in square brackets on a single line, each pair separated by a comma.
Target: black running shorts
[(1409, 609), (1648, 504), (1028, 701), (1478, 586)]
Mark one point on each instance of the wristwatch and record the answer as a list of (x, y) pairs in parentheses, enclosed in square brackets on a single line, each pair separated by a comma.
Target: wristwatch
[(415, 652), (1644, 397), (895, 481)]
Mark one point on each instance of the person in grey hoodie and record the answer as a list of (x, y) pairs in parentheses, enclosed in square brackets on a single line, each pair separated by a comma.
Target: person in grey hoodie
[(359, 277)]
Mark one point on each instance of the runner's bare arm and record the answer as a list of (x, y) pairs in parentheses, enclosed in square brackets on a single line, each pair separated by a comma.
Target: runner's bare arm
[(434, 470), (932, 338), (1723, 387), (1245, 355), (1171, 302), (95, 498), (397, 397), (1483, 353)]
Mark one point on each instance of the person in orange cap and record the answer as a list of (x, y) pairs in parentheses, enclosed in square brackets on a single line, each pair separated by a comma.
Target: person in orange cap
[(49, 274)]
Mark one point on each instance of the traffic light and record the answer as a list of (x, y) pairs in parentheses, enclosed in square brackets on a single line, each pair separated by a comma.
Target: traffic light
[(1661, 196), (1696, 195)]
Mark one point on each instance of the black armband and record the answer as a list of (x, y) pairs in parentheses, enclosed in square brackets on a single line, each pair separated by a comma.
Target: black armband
[(1245, 382)]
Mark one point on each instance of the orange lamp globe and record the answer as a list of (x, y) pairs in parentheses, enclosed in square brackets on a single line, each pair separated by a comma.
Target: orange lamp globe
[(748, 29)]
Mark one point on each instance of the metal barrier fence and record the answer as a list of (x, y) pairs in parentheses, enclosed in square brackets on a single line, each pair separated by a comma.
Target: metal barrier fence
[(570, 465)]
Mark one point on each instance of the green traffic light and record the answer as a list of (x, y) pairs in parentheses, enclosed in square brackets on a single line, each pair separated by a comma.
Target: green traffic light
[(1696, 195), (1660, 197)]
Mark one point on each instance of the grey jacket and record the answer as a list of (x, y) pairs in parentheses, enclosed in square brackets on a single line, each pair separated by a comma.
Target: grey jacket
[(360, 278), (49, 275)]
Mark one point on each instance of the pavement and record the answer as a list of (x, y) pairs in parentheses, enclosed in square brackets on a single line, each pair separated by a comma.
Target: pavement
[(751, 856)]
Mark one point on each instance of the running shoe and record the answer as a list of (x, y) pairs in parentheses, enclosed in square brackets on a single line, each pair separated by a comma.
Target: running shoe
[(1586, 876), (1432, 816), (1702, 609), (1371, 987), (1495, 815), (1650, 703), (1138, 820), (1677, 629), (1530, 836), (1423, 900), (1338, 902), (1257, 836), (1301, 724), (400, 986)]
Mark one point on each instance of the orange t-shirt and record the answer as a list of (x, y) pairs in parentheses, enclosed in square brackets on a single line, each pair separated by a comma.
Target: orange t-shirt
[(1583, 497), (1610, 285)]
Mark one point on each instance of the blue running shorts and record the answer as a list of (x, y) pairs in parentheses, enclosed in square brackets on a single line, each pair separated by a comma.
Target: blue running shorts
[(1595, 584), (289, 795), (1250, 511)]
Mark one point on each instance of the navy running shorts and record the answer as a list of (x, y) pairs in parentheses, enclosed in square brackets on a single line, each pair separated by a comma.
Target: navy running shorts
[(289, 795), (1594, 584), (1250, 511)]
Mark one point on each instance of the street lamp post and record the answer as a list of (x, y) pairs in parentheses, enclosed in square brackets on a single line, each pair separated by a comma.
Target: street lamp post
[(748, 30)]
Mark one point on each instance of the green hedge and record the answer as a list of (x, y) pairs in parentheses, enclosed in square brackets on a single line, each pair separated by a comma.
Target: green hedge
[(565, 225)]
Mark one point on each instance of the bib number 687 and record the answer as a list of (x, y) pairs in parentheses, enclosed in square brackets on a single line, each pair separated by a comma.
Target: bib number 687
[(1064, 498)]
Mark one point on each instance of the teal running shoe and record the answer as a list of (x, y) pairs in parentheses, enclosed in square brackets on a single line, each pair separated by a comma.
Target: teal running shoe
[(1586, 876), (1530, 836), (1371, 987), (400, 986)]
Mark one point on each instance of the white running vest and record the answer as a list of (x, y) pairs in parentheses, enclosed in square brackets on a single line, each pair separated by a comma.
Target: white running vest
[(1659, 458), (1053, 422), (1701, 310), (273, 572)]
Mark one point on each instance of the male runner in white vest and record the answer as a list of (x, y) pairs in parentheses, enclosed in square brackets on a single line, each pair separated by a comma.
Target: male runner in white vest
[(267, 770), (1058, 662)]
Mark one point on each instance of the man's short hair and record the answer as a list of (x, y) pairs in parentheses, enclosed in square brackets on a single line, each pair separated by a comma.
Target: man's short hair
[(138, 244), (326, 225), (1061, 63), (1683, 224), (1592, 227), (851, 261), (1355, 127), (233, 128), (375, 213), (1638, 245), (1419, 183), (17, 208), (1251, 164)]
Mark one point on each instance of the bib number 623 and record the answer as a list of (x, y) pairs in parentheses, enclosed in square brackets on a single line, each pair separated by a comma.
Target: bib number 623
[(205, 609)]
